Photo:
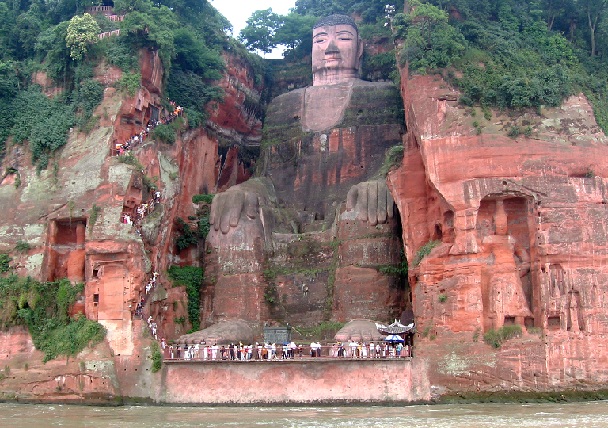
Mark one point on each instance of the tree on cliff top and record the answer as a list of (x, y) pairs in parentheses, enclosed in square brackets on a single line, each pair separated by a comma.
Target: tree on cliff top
[(82, 31), (260, 30)]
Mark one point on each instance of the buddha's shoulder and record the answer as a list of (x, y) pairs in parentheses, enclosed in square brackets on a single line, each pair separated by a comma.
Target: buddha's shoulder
[(285, 107), (381, 91), (374, 103)]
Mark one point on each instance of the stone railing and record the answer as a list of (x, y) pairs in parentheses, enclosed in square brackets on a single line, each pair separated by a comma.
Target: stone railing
[(108, 34), (99, 9)]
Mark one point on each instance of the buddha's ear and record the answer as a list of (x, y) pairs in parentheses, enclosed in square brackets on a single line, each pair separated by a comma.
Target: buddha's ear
[(359, 52)]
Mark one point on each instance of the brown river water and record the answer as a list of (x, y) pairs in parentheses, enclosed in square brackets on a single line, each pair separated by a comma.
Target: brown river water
[(584, 414)]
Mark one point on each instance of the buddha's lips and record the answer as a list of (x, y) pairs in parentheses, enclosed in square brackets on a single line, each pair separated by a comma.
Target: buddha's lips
[(332, 58)]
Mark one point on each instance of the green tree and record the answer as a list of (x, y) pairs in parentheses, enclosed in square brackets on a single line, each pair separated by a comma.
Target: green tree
[(192, 54), (81, 32), (554, 10), (430, 41), (24, 34), (594, 12), (152, 28), (51, 46), (295, 32), (321, 8), (260, 30)]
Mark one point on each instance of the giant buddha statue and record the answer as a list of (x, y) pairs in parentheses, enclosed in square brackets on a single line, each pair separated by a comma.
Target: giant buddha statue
[(308, 238)]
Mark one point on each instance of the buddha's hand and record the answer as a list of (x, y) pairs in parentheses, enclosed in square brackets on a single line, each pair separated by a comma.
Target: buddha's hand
[(228, 208), (370, 201)]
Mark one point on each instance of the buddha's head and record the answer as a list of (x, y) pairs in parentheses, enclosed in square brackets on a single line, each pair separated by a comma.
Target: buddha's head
[(336, 50)]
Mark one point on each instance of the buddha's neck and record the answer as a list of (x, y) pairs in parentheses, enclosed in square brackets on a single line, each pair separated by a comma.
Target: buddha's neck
[(333, 77)]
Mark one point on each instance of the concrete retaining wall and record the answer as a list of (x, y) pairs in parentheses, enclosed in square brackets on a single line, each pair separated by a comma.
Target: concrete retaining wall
[(310, 381)]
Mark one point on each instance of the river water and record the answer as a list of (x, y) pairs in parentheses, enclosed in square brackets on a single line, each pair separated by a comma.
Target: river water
[(584, 414)]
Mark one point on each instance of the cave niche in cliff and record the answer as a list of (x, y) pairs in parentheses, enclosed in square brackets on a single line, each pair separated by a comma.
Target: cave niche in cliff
[(66, 249), (107, 279), (504, 225)]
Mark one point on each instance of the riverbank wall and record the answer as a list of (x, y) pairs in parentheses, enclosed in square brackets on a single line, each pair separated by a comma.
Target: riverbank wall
[(294, 382)]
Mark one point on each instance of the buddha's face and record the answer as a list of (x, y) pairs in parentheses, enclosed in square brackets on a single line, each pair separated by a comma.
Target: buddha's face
[(336, 54)]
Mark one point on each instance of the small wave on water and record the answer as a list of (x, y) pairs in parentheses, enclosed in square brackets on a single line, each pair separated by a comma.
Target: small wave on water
[(588, 415)]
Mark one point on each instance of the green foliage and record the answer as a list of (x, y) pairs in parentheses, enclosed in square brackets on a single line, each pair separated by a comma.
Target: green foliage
[(192, 54), (81, 31), (130, 159), (41, 121), (442, 298), (271, 294), (381, 66), (392, 159), (51, 46), (152, 27), (44, 308), (191, 277), (495, 338), (93, 215), (203, 227), (164, 133), (476, 334), (294, 32), (430, 42), (5, 263), (157, 357), (118, 52), (260, 30), (150, 183), (202, 198), (129, 83), (86, 98), (191, 90), (514, 131), (186, 236), (395, 270), (22, 247), (424, 251)]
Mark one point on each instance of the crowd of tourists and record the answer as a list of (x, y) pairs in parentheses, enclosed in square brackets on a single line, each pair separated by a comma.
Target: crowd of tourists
[(136, 216), (148, 289), (272, 351), (138, 138)]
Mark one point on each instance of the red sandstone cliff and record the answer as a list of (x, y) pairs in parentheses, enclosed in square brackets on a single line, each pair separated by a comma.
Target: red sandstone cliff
[(521, 225), (521, 230), (71, 219)]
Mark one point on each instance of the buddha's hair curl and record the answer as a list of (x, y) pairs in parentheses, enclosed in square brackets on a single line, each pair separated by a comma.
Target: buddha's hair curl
[(336, 20)]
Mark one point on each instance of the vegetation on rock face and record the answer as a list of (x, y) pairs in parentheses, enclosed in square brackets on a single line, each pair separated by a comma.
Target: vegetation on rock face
[(61, 40), (495, 338), (81, 32), (511, 53), (191, 277), (157, 357), (44, 308), (424, 251), (505, 54)]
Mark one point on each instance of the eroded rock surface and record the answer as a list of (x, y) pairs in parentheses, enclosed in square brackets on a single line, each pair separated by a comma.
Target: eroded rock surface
[(519, 226)]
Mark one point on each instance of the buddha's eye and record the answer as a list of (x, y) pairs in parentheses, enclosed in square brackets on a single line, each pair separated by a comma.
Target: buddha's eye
[(320, 38)]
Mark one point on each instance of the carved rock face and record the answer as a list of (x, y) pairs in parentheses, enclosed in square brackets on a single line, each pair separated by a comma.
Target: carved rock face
[(336, 54)]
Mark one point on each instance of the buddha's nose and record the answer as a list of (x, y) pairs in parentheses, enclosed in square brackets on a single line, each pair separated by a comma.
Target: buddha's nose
[(332, 49)]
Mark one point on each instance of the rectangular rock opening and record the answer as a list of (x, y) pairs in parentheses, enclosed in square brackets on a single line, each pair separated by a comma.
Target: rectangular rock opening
[(554, 322), (66, 231), (509, 321)]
